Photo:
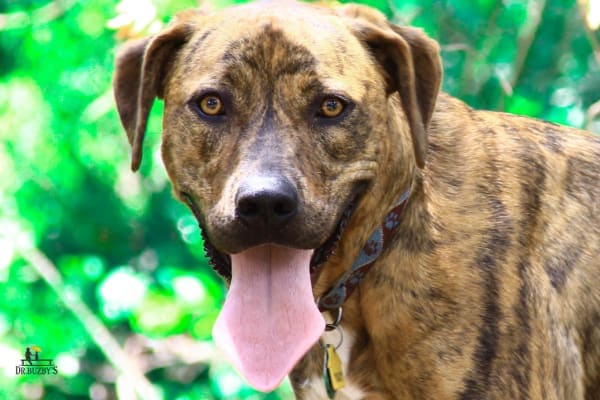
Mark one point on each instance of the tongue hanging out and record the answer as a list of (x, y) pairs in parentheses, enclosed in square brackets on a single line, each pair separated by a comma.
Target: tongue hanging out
[(269, 319)]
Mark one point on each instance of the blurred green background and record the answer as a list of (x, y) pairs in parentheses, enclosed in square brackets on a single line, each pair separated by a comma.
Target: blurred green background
[(102, 269)]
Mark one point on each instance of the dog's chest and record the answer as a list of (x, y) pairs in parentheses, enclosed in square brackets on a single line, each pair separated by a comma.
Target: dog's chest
[(314, 387)]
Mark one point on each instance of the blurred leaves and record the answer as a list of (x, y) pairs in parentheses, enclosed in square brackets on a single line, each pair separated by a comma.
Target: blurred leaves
[(125, 281)]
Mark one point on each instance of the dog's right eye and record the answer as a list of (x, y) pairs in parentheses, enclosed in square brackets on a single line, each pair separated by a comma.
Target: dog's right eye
[(331, 107), (211, 105)]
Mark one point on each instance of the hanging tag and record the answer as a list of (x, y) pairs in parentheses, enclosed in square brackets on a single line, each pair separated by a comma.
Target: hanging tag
[(330, 390), (334, 369)]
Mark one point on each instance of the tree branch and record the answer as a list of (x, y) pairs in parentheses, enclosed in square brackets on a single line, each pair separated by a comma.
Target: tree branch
[(126, 366)]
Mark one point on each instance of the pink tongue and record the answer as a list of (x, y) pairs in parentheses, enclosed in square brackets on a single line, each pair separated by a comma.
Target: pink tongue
[(269, 319)]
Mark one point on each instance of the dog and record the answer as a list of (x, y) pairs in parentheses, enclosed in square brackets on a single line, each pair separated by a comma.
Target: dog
[(379, 239)]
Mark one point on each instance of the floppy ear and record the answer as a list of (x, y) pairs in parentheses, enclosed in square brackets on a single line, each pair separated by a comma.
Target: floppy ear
[(140, 70), (411, 65)]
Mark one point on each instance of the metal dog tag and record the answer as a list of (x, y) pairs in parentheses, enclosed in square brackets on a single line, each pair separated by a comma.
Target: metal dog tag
[(333, 374)]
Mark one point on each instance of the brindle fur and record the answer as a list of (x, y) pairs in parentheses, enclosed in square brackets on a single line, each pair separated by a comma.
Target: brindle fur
[(490, 288)]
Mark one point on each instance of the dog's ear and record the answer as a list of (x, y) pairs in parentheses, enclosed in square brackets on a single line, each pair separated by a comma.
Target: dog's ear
[(411, 65), (140, 70)]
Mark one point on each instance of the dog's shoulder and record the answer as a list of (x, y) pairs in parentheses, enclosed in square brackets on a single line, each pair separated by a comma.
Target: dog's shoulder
[(535, 183)]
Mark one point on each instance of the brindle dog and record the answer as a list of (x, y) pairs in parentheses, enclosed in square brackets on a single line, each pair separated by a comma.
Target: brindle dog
[(291, 130)]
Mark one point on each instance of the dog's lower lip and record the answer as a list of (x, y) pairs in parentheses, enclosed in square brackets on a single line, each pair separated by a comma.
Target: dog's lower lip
[(323, 252), (220, 262)]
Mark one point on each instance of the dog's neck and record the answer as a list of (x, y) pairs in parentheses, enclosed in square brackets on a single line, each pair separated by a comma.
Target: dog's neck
[(345, 285)]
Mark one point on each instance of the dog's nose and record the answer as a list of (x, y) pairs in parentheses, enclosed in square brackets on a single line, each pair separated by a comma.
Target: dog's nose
[(266, 202)]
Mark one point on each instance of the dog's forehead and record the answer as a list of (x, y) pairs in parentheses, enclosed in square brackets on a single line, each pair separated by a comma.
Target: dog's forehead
[(285, 35)]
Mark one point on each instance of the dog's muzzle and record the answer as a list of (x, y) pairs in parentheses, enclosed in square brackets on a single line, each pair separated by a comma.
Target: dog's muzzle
[(266, 208)]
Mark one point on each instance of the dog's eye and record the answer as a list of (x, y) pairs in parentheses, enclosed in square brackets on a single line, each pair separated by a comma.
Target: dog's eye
[(211, 105), (331, 107)]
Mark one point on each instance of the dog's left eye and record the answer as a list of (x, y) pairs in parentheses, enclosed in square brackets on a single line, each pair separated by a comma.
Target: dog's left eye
[(211, 105), (331, 107)]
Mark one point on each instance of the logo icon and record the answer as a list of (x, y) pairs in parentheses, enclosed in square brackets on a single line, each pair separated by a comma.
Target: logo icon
[(32, 364)]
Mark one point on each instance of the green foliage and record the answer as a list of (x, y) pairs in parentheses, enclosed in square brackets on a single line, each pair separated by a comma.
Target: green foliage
[(131, 268)]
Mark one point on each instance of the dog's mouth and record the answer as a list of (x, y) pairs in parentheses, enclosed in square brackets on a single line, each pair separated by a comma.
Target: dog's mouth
[(221, 262)]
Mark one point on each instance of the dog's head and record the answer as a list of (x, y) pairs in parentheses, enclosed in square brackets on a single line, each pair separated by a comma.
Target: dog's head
[(280, 119)]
